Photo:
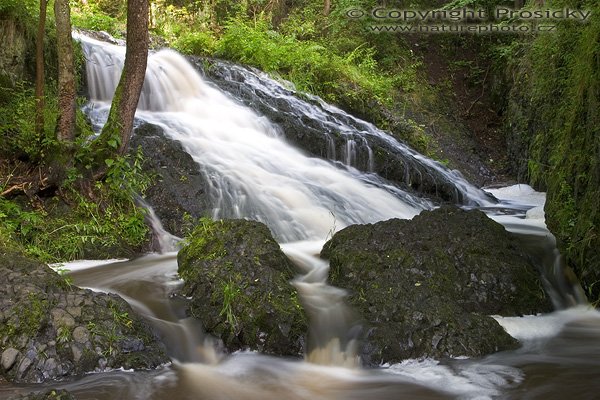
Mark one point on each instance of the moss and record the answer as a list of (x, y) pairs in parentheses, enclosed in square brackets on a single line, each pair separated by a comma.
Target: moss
[(430, 283), (239, 280), (556, 107)]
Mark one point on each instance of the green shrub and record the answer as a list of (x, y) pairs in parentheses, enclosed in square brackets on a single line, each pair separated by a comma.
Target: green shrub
[(110, 225), (18, 136), (90, 16), (310, 65), (195, 43)]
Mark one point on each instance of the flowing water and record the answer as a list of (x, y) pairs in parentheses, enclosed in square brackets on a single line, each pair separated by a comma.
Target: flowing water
[(253, 172)]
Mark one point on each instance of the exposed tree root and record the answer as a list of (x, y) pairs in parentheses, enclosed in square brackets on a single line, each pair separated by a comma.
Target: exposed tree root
[(19, 178)]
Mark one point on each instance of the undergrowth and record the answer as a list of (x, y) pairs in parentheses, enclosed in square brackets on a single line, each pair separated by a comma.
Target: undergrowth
[(83, 217)]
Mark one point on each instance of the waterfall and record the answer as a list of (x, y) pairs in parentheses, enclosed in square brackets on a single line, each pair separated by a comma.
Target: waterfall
[(329, 132), (253, 172), (162, 241)]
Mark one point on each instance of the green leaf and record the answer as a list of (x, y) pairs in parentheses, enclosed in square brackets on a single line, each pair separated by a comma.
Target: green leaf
[(109, 162)]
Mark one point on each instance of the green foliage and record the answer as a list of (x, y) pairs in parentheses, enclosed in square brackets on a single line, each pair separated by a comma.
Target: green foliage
[(310, 65), (231, 294), (24, 11), (94, 15), (556, 110), (17, 131), (196, 43), (109, 222)]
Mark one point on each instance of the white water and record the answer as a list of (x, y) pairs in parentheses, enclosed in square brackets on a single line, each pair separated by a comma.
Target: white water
[(255, 174), (560, 356)]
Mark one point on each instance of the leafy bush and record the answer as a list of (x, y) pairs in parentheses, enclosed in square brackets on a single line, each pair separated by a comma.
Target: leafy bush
[(109, 225), (196, 43), (18, 136), (310, 65), (88, 15), (24, 11)]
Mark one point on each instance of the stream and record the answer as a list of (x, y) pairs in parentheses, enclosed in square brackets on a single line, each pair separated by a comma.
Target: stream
[(253, 172)]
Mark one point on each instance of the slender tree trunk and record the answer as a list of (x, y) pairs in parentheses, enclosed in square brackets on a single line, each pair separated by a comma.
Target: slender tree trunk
[(327, 7), (118, 128), (65, 126), (39, 70)]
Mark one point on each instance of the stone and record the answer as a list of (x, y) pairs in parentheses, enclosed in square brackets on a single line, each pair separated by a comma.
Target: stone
[(75, 312), (181, 188), (62, 318), (42, 340), (427, 287), (81, 335), (239, 283), (9, 356), (77, 352), (24, 366)]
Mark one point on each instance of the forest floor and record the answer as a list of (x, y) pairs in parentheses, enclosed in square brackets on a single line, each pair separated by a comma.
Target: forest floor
[(468, 130)]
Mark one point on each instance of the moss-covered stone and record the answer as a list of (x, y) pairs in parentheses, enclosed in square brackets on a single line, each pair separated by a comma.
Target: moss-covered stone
[(50, 329), (239, 281), (426, 287), (553, 131)]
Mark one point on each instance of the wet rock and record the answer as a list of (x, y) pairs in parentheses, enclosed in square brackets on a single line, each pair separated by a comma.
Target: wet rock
[(62, 318), (77, 352), (81, 334), (51, 329), (238, 279), (426, 287), (179, 188), (51, 394), (327, 133)]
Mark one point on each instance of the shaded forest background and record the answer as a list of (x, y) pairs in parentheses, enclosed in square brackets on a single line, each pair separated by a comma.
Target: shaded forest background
[(501, 108)]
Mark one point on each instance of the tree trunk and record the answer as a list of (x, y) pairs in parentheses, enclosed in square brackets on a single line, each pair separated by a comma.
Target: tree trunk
[(39, 70), (116, 133), (65, 126), (327, 7)]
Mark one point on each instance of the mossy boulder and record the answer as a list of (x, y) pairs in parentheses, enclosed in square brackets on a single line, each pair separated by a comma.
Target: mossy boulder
[(50, 329), (239, 281), (426, 287)]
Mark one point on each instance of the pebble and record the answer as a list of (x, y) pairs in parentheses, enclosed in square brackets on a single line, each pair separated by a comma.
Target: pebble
[(81, 335), (9, 356)]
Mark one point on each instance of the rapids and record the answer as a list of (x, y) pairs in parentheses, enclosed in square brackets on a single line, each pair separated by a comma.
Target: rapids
[(253, 172)]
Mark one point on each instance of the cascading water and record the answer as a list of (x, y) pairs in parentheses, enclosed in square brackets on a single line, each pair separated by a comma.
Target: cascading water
[(254, 173), (251, 171), (326, 131)]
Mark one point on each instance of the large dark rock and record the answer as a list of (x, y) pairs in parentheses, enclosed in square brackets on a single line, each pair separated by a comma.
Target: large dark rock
[(239, 281), (179, 187), (326, 132), (50, 329), (426, 287)]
